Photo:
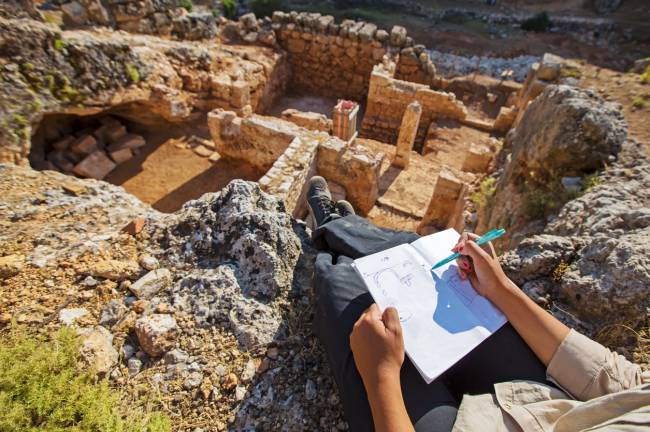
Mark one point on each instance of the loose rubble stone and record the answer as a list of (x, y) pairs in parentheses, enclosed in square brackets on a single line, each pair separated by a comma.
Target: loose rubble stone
[(112, 313), (68, 316), (134, 366), (249, 371), (97, 349), (11, 265), (155, 333), (127, 351), (176, 356), (113, 269), (148, 262), (193, 380), (240, 393), (96, 165), (149, 285)]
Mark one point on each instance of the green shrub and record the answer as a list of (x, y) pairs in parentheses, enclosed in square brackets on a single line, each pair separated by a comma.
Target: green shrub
[(187, 5), (645, 76), (59, 44), (43, 387), (133, 72), (539, 22), (229, 8), (638, 103), (263, 8), (590, 181), (486, 189)]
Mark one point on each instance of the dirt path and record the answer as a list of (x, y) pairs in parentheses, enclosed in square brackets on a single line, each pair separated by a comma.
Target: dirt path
[(628, 90)]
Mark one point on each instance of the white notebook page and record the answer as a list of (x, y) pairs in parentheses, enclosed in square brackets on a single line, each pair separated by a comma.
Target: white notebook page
[(439, 324)]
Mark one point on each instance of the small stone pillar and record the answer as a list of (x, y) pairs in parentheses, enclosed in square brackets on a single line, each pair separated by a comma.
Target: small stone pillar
[(443, 208), (407, 133), (344, 120), (477, 159)]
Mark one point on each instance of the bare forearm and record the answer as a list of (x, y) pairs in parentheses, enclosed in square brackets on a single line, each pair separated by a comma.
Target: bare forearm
[(542, 331), (387, 406)]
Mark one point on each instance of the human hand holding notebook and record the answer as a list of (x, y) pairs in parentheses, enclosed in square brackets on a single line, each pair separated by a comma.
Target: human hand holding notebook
[(442, 316)]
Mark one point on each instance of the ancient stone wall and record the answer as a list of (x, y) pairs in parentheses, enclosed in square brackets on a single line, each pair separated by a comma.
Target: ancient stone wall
[(333, 59), (160, 17), (354, 167), (387, 101), (289, 174), (292, 154)]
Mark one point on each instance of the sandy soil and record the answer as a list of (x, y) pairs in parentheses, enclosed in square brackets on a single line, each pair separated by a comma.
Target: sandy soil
[(166, 174)]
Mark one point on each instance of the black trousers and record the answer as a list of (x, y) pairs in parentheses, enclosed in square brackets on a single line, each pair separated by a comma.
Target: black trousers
[(341, 297)]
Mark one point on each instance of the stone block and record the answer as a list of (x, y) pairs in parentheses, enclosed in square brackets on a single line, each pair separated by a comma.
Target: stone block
[(113, 132), (443, 205), (505, 119), (381, 35), (477, 159), (407, 134), (398, 36), (60, 160), (96, 165), (121, 156), (63, 143), (74, 14), (84, 145), (130, 141), (308, 120), (156, 333), (550, 67), (150, 284), (367, 32), (202, 151)]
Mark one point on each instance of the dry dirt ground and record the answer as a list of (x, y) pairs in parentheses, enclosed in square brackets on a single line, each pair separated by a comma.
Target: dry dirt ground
[(626, 89), (167, 172)]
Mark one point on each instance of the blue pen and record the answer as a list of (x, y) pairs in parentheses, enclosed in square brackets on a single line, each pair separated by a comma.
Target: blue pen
[(493, 234)]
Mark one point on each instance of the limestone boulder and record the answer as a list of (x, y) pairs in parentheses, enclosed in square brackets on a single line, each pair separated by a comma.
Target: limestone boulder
[(567, 131), (241, 226), (594, 259)]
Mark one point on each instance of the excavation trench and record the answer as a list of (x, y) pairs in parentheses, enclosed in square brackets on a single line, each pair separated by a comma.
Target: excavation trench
[(162, 163)]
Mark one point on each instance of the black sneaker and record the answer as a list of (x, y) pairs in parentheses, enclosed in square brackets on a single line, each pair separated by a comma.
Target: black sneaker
[(319, 199), (344, 208)]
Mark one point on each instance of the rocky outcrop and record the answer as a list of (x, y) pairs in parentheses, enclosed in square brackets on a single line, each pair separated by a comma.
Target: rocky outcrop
[(224, 324), (564, 133), (593, 260), (143, 78)]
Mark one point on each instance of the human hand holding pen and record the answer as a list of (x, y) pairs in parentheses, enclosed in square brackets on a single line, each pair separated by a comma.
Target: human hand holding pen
[(480, 265)]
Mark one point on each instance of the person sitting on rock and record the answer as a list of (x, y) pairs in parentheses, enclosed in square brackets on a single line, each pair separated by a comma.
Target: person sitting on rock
[(533, 374)]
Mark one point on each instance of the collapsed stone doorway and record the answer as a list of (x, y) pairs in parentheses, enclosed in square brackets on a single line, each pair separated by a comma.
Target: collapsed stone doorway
[(162, 163)]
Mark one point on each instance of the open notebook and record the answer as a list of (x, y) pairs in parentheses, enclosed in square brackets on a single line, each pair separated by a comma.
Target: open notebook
[(443, 318)]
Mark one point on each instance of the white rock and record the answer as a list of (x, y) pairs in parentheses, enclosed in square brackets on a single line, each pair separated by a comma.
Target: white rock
[(70, 315), (310, 390), (149, 285), (249, 371), (240, 393), (148, 262), (97, 349), (134, 365)]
